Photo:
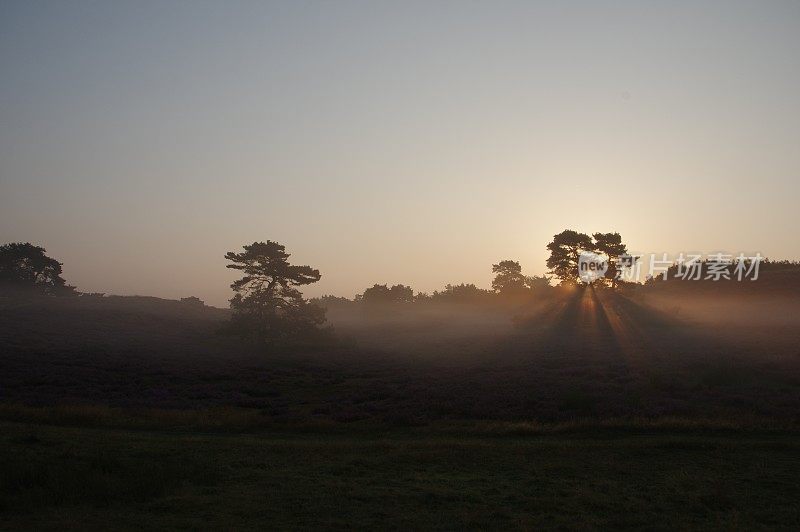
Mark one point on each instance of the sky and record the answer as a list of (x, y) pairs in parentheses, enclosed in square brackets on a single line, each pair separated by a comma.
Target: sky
[(391, 142)]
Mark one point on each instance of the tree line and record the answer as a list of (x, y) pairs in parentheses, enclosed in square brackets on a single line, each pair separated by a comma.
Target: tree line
[(268, 305), (508, 281)]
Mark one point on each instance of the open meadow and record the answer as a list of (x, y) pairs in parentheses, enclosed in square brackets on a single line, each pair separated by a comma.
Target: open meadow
[(585, 408)]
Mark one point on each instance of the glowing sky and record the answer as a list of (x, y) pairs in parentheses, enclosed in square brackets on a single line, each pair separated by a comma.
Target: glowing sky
[(411, 143)]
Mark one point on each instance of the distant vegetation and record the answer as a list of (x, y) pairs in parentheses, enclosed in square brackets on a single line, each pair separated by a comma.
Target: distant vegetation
[(381, 293), (268, 307), (25, 268)]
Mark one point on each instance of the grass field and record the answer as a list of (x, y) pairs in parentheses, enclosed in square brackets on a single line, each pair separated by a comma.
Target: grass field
[(582, 410), (662, 478)]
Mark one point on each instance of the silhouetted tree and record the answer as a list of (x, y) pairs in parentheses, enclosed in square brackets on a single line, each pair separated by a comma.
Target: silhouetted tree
[(565, 249), (330, 301), (381, 293), (508, 278), (536, 282), (267, 306), (193, 301), (463, 293), (610, 244), (25, 267), (422, 297)]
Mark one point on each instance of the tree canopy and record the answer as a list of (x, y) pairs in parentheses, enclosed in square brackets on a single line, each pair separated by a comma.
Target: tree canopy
[(462, 293), (24, 266), (567, 246), (381, 293), (267, 306), (610, 244), (565, 249), (508, 277)]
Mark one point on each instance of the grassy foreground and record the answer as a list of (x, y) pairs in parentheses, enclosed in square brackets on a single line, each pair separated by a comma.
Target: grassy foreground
[(79, 477)]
